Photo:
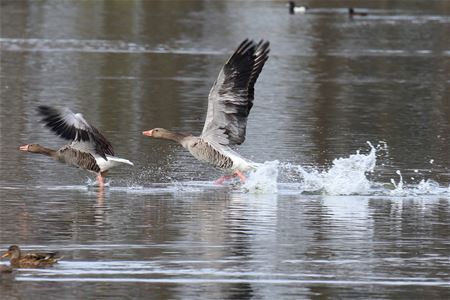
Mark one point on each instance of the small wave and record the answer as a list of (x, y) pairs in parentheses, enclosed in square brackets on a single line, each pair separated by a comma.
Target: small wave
[(119, 46), (92, 46)]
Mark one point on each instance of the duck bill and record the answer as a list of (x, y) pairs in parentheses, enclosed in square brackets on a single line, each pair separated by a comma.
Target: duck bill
[(23, 148), (6, 254), (148, 132)]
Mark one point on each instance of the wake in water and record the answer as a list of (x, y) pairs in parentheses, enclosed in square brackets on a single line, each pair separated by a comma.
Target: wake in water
[(346, 176), (352, 175)]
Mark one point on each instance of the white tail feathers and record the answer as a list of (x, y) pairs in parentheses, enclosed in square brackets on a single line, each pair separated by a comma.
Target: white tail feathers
[(119, 160)]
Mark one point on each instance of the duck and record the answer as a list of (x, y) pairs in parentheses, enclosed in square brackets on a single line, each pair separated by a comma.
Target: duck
[(229, 103), (89, 149), (29, 260), (293, 9), (351, 13)]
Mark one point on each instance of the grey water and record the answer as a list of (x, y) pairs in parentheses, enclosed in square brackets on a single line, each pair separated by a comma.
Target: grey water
[(163, 229)]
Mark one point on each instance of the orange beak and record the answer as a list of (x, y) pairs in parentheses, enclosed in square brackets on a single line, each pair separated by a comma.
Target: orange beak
[(148, 132), (23, 148), (6, 254)]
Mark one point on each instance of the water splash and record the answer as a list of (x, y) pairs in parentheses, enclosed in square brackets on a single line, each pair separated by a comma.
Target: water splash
[(398, 187), (263, 179), (347, 175), (424, 187)]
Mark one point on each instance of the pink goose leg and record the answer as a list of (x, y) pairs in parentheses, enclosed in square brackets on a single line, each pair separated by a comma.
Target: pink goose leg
[(101, 181), (225, 177), (240, 175), (222, 179)]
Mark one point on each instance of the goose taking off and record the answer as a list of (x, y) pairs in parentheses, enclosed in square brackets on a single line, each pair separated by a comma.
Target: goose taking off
[(229, 104), (89, 149)]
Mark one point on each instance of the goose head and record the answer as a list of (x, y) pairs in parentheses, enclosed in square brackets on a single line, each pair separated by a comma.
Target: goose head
[(161, 133), (158, 133), (291, 5), (34, 148)]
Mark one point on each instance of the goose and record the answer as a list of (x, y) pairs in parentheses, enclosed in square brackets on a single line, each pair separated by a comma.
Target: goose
[(352, 12), (89, 149), (229, 103), (296, 9), (29, 260)]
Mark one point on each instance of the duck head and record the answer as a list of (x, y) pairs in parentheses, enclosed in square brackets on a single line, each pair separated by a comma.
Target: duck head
[(13, 252)]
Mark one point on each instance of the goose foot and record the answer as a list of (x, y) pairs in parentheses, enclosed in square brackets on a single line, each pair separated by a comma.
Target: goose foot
[(222, 179), (240, 175), (235, 174)]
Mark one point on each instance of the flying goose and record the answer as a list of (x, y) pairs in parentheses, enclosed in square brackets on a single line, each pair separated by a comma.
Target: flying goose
[(89, 149), (229, 103), (29, 260)]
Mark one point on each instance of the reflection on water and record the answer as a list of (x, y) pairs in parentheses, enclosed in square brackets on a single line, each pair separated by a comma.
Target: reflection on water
[(227, 240), (326, 215)]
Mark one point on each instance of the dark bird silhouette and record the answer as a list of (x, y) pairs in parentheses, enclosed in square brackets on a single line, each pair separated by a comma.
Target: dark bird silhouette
[(351, 13)]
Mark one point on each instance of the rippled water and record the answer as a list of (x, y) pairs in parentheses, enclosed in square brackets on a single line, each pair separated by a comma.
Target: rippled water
[(350, 125)]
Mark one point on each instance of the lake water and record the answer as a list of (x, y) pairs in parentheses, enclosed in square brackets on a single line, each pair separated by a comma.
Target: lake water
[(350, 121)]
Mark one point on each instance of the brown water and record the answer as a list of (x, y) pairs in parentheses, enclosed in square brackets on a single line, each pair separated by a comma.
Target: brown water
[(162, 229)]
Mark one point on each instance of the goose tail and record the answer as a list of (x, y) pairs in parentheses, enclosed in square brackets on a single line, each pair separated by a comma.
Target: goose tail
[(119, 160)]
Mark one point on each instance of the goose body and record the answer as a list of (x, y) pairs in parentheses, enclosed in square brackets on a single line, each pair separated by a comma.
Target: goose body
[(89, 149), (293, 9), (223, 158), (229, 103), (352, 13), (29, 260)]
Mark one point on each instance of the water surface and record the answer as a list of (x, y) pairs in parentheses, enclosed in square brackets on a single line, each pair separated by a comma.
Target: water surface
[(319, 220)]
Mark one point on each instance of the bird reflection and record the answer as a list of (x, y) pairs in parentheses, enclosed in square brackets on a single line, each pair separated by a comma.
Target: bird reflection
[(100, 207)]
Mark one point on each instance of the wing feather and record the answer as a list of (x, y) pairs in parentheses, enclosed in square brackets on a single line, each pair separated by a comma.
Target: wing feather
[(39, 256), (231, 97), (73, 127)]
